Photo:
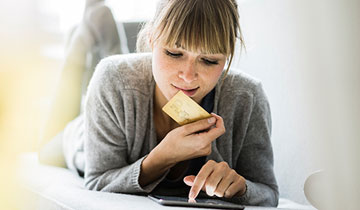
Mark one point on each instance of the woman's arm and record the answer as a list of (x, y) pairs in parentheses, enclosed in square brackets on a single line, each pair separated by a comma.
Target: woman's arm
[(252, 181), (183, 143), (113, 160), (255, 162), (107, 165)]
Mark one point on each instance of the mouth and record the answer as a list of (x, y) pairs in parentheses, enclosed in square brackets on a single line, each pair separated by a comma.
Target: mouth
[(188, 91)]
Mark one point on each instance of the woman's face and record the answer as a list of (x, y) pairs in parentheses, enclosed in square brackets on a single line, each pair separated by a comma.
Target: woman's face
[(176, 69)]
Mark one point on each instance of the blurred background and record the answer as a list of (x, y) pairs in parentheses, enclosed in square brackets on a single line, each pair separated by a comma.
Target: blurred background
[(306, 53)]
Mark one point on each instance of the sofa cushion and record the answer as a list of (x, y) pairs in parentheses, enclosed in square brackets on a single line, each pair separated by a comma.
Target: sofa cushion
[(49, 187)]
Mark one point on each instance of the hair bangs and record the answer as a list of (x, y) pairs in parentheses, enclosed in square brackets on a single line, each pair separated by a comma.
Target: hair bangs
[(191, 27)]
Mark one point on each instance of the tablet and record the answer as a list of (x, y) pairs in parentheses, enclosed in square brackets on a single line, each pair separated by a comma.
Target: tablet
[(199, 202)]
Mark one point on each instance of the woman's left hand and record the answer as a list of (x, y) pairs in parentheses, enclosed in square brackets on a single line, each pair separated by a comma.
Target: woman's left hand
[(216, 179)]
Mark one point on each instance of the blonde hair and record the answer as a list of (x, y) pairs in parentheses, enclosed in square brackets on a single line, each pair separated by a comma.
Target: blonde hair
[(208, 26)]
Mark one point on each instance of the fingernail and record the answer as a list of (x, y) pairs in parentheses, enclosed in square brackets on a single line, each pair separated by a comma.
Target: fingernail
[(191, 195), (211, 120)]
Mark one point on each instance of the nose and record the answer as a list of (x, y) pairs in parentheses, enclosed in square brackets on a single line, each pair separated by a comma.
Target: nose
[(189, 73)]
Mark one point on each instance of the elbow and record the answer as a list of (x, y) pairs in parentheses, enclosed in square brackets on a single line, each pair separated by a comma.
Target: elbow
[(92, 183), (273, 199), (91, 186), (98, 183)]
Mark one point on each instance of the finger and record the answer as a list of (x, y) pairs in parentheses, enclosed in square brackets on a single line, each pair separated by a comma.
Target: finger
[(189, 180), (224, 185), (219, 173), (216, 131), (236, 187), (219, 120), (200, 179), (198, 125)]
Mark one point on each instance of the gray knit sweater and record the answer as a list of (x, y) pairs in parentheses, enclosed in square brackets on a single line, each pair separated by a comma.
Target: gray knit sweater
[(120, 131)]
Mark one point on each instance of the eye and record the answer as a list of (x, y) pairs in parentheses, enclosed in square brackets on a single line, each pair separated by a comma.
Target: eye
[(210, 62), (175, 55)]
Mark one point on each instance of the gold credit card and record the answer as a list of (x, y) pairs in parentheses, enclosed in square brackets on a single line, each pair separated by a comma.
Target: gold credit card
[(184, 110)]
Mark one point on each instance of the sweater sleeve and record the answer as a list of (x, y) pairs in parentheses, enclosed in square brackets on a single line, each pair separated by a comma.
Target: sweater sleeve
[(107, 166), (255, 162)]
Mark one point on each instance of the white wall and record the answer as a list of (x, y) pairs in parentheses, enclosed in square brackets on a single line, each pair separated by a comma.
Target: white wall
[(303, 51)]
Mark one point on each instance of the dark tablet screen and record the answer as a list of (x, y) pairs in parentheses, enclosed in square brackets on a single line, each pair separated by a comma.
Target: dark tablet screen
[(199, 202)]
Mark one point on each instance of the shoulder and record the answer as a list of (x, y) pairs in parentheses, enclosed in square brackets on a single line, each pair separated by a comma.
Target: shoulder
[(126, 71)]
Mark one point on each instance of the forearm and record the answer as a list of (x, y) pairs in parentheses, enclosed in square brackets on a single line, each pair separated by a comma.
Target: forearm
[(120, 180), (153, 167)]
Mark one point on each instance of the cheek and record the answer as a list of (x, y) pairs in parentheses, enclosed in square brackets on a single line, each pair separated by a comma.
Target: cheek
[(157, 67), (162, 75), (214, 77), (163, 69), (219, 71)]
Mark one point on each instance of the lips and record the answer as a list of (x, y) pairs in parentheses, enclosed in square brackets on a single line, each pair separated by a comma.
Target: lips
[(188, 91)]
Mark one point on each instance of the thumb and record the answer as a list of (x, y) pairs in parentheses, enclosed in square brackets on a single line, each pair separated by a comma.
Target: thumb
[(189, 180)]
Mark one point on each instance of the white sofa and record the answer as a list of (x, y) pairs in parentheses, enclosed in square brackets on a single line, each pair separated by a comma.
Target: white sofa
[(55, 188)]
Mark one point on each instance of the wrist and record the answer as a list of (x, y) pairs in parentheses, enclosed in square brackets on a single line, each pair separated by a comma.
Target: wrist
[(156, 159), (151, 170), (160, 156)]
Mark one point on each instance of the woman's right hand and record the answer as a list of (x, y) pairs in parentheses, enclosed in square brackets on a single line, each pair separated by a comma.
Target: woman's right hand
[(191, 140), (183, 143)]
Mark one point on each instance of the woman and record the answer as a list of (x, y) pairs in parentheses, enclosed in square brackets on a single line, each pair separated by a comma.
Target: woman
[(131, 146)]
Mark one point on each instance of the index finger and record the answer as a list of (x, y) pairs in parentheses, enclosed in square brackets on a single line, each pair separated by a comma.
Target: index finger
[(200, 179)]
